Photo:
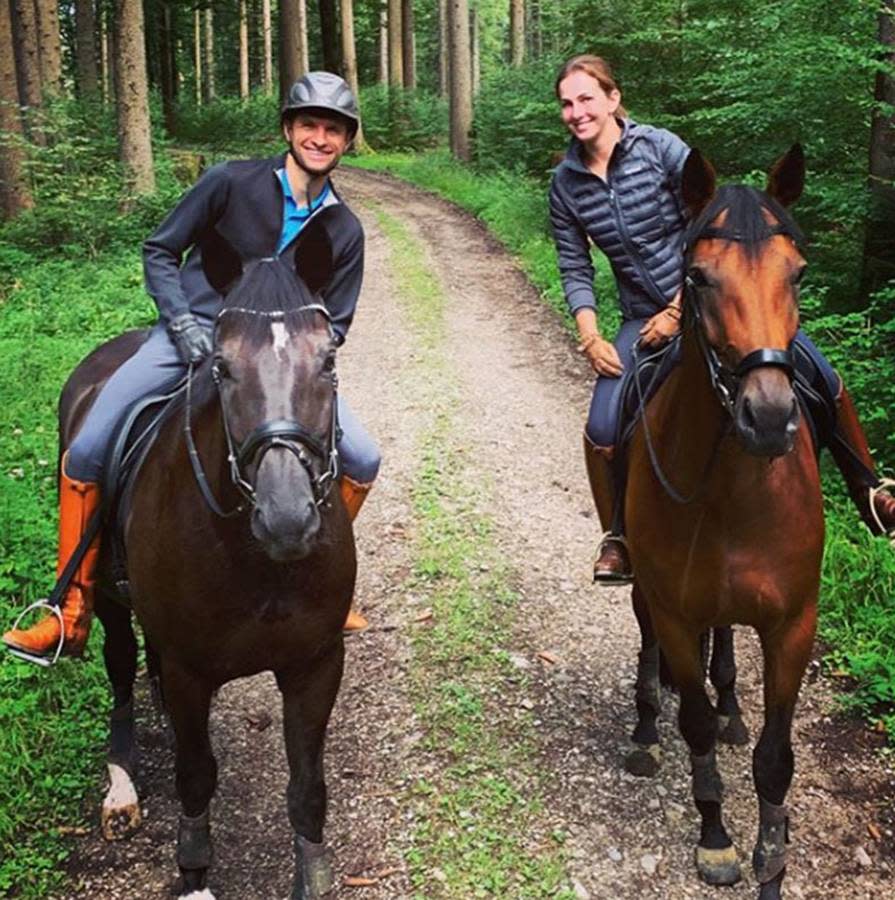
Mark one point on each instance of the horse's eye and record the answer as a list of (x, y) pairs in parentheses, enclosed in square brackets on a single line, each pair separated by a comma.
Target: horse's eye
[(329, 363), (220, 368), (697, 278)]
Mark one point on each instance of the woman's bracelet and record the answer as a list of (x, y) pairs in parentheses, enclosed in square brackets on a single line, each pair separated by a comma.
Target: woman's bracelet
[(674, 312)]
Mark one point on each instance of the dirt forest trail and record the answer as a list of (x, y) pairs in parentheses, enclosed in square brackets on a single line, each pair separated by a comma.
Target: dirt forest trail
[(520, 397)]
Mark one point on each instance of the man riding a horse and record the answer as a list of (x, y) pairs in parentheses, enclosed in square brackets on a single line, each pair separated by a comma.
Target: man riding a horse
[(237, 212)]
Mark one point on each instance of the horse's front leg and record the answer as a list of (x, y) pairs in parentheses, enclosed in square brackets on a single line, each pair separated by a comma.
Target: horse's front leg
[(308, 698), (644, 756), (120, 816), (716, 857), (786, 652), (723, 673), (188, 700)]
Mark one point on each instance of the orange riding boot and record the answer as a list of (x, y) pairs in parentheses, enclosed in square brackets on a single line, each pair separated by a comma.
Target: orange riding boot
[(78, 500), (353, 496)]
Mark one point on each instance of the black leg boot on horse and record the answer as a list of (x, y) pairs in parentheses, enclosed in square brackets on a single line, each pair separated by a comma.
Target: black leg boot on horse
[(78, 500), (612, 565), (849, 448), (353, 496)]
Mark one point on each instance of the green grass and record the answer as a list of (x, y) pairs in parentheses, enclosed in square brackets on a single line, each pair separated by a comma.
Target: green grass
[(479, 821), (52, 723)]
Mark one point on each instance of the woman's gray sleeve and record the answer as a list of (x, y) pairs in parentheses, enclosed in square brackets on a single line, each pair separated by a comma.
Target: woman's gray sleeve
[(576, 268), (674, 155)]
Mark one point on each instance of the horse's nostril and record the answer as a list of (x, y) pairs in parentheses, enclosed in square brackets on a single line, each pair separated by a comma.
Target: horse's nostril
[(748, 413)]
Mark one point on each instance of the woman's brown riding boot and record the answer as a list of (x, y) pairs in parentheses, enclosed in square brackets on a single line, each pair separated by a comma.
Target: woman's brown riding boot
[(77, 502), (612, 565), (353, 496), (849, 447)]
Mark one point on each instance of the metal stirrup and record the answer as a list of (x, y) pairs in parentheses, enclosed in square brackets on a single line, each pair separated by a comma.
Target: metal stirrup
[(884, 484), (45, 661)]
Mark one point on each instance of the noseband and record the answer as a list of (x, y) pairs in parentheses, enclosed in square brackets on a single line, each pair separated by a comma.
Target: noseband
[(726, 381), (285, 433)]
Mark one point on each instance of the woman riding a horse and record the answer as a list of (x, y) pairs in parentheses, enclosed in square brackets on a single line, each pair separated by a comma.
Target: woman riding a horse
[(619, 188), (237, 213)]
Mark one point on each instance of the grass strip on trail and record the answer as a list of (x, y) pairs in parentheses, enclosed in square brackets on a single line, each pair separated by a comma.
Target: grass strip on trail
[(479, 824)]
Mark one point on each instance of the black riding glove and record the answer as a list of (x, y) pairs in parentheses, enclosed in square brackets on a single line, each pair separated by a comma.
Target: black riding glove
[(193, 342)]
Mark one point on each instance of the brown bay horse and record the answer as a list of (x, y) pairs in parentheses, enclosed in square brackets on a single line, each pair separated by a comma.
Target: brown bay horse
[(724, 507), (240, 560)]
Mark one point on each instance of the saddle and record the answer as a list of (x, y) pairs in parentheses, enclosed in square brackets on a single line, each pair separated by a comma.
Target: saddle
[(124, 458), (654, 366)]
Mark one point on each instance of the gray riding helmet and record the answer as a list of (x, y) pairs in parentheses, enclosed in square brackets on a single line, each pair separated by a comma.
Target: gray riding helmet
[(323, 92)]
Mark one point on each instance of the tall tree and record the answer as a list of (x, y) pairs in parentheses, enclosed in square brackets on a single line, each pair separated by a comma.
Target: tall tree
[(50, 45), (267, 76), (444, 49), (329, 35), (210, 87), (14, 191), (27, 53), (167, 65), (134, 131), (461, 79), (408, 45), (879, 243), (517, 32), (243, 49), (395, 55), (293, 43), (197, 53), (85, 35), (349, 56), (383, 42)]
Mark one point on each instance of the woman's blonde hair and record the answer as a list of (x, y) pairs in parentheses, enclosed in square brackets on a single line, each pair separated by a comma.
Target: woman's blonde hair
[(597, 68)]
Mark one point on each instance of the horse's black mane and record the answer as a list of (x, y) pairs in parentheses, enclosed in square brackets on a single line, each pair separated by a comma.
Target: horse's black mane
[(745, 218)]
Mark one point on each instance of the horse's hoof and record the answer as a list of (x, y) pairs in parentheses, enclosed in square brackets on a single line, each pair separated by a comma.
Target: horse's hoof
[(718, 866), (771, 890), (313, 871), (643, 760), (204, 894), (121, 814), (732, 730)]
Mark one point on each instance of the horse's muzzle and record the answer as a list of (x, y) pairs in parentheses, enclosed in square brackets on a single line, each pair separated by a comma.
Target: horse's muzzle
[(285, 519), (767, 413)]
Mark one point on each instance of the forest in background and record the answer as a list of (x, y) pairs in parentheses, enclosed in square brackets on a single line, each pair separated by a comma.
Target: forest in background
[(106, 105)]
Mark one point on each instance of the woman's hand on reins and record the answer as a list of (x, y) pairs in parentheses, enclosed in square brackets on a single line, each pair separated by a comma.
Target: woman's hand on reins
[(661, 328), (601, 354)]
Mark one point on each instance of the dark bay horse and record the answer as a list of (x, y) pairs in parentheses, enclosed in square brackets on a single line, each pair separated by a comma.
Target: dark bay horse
[(240, 560), (725, 430)]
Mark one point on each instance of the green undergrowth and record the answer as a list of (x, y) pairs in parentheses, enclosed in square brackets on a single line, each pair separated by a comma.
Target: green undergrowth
[(53, 311), (478, 812)]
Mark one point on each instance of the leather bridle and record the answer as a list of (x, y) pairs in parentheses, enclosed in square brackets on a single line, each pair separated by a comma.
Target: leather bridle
[(287, 434)]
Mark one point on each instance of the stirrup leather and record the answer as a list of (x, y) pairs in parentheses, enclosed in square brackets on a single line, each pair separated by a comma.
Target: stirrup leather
[(883, 485)]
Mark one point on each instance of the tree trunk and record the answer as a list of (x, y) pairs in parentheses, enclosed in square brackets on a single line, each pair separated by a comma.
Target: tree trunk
[(349, 58), (134, 144), (444, 49), (476, 53), (537, 42), (50, 45), (517, 32), (85, 29), (243, 50), (329, 35), (383, 42), (461, 80), (395, 55), (15, 194), (293, 43), (879, 242), (209, 55), (27, 54), (197, 53), (166, 70), (267, 78), (408, 45)]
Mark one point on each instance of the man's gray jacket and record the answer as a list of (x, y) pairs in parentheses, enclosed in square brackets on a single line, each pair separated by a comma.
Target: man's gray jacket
[(233, 215), (635, 217)]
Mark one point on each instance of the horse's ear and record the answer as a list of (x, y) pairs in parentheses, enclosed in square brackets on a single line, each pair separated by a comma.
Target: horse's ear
[(314, 256), (697, 183), (220, 262), (786, 180)]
